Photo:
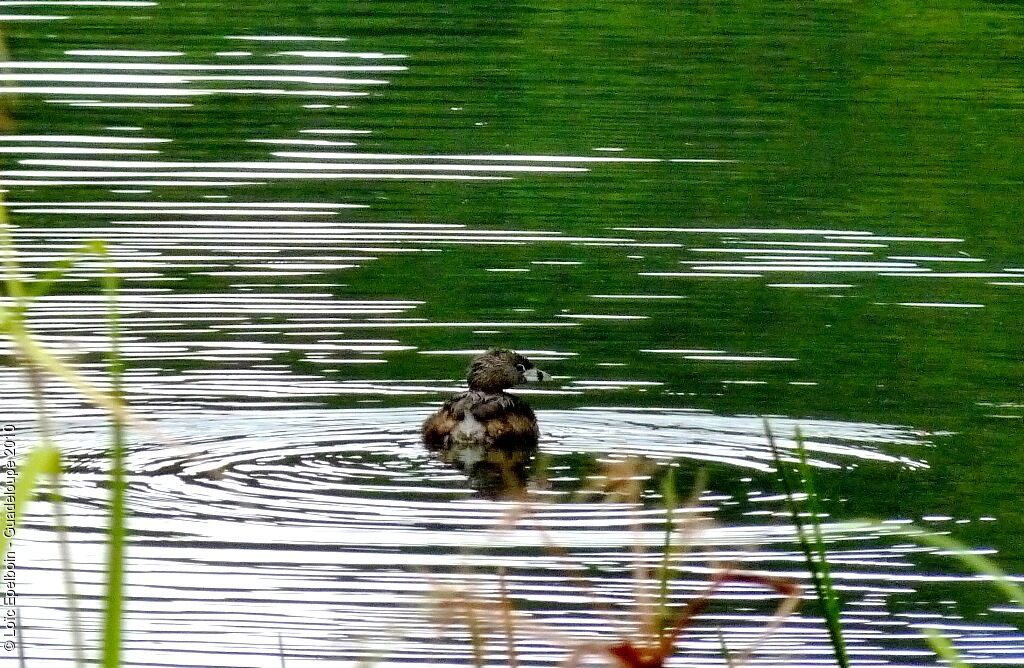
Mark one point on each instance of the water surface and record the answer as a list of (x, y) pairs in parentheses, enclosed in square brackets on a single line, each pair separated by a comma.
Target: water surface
[(691, 217)]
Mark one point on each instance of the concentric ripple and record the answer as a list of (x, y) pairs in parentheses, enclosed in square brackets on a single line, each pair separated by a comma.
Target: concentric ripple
[(320, 525)]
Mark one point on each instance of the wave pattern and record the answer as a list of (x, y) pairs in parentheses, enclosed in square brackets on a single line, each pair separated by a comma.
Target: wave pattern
[(330, 528), (263, 520)]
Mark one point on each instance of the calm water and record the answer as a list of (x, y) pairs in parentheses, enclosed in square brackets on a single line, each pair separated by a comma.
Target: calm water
[(691, 217)]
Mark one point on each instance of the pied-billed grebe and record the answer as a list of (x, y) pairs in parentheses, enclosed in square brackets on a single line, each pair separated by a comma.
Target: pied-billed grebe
[(485, 428)]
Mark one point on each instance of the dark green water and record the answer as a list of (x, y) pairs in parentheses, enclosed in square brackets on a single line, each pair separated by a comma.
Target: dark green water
[(829, 207)]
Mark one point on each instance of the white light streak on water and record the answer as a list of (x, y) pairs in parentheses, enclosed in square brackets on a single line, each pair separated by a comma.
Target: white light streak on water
[(285, 38), (81, 139), (78, 3), (940, 305), (336, 155), (32, 17), (741, 358), (370, 55), (123, 53), (743, 230), (197, 67)]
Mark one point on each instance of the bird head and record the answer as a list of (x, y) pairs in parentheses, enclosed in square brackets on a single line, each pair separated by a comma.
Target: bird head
[(498, 369)]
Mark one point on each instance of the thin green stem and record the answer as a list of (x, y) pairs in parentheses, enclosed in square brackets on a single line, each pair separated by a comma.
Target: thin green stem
[(726, 654), (41, 461), (60, 520), (112, 621), (41, 285), (814, 554), (12, 273), (814, 507), (943, 648), (668, 497), (968, 557), (44, 359)]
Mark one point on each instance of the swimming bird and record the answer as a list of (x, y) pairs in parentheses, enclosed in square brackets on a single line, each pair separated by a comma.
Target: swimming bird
[(486, 432)]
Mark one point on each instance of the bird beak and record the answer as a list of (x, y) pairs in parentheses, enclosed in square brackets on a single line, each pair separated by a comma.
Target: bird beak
[(535, 375)]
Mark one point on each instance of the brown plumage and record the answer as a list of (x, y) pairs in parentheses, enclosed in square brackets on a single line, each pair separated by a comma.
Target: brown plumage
[(485, 431)]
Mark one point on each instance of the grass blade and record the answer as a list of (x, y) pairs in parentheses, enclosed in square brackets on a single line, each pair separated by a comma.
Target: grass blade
[(112, 620), (944, 649), (12, 272), (726, 654), (814, 553), (813, 506), (46, 360), (668, 497), (967, 556), (40, 461), (975, 562), (60, 522), (41, 285)]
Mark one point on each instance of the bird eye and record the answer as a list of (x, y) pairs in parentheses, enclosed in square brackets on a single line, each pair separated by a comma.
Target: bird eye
[(520, 368)]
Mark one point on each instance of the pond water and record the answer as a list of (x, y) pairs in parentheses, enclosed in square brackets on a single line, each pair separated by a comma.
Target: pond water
[(691, 216)]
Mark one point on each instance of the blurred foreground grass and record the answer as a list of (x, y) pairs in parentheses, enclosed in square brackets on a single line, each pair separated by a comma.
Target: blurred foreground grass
[(41, 466)]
